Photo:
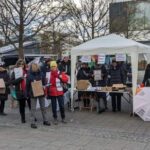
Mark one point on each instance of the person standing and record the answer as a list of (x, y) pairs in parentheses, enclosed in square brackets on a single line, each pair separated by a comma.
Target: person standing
[(36, 75), (146, 79), (19, 81), (55, 80), (65, 65), (101, 82), (116, 76), (84, 73), (3, 97)]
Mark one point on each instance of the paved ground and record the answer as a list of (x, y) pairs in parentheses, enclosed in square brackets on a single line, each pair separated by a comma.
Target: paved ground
[(84, 131)]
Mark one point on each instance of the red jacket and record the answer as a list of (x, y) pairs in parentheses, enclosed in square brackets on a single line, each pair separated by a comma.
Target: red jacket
[(55, 81)]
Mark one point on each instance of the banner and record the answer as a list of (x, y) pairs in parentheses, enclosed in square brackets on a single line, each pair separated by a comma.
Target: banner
[(101, 59), (97, 75), (86, 59), (18, 72), (120, 57), (37, 88)]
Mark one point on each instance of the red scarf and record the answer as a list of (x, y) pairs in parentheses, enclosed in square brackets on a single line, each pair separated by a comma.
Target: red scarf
[(23, 82), (54, 75)]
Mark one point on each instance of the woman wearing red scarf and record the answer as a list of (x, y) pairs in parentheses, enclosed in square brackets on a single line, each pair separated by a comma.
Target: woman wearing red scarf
[(55, 80), (18, 79)]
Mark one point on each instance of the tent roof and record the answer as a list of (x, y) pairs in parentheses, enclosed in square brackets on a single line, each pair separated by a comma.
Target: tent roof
[(10, 47), (109, 42)]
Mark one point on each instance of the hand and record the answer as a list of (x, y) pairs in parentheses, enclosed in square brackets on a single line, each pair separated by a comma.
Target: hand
[(60, 76)]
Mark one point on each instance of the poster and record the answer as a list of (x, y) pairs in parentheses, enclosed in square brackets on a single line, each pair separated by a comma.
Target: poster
[(37, 88), (2, 86), (85, 59), (101, 58), (18, 72), (97, 75), (120, 57)]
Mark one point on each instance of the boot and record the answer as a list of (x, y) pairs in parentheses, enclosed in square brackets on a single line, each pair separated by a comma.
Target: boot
[(23, 120)]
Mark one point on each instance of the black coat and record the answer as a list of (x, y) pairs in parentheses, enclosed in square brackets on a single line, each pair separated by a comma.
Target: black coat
[(116, 76), (65, 67), (20, 94), (84, 74), (103, 81), (4, 75), (146, 80)]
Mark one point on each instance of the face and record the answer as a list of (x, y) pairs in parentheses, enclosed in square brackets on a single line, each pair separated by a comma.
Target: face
[(53, 68), (21, 64), (114, 64), (66, 59)]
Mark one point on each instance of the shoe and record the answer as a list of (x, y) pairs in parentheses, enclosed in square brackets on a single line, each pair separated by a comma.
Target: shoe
[(114, 110), (64, 121), (55, 122), (3, 114), (46, 123), (23, 121), (34, 126), (101, 111), (35, 119)]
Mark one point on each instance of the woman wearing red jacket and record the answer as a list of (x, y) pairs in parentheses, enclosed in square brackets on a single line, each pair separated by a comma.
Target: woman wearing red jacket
[(55, 80)]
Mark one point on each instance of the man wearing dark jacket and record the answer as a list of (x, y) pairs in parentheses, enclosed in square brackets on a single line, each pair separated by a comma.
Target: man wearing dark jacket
[(116, 76), (84, 73), (65, 66), (100, 83)]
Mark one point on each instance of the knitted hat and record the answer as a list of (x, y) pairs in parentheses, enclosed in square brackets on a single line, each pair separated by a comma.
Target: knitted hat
[(53, 64)]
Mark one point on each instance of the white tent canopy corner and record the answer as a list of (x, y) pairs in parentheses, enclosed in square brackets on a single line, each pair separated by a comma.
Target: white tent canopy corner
[(110, 44)]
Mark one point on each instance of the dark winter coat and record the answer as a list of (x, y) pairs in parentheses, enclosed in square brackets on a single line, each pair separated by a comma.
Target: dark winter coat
[(104, 73), (84, 74), (116, 76), (65, 67), (146, 80), (31, 77), (4, 75), (20, 94)]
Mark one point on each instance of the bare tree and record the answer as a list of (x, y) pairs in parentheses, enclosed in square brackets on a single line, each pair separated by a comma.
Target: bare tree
[(22, 15), (89, 18)]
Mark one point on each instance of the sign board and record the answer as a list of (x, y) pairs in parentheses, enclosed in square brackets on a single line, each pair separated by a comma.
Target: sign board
[(2, 86), (101, 58), (85, 59), (18, 72), (120, 57), (37, 88), (97, 75)]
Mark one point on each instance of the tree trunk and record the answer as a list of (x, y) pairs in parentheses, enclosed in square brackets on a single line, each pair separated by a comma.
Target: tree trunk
[(21, 32)]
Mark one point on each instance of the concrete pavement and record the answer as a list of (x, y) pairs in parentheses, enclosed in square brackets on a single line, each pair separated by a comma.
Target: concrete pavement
[(84, 131)]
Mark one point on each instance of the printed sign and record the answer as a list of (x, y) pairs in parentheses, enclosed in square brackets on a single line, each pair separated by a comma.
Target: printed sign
[(18, 72), (97, 75), (86, 59), (120, 57), (101, 59)]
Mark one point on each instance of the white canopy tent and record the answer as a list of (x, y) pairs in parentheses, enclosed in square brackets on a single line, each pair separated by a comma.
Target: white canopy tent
[(109, 45)]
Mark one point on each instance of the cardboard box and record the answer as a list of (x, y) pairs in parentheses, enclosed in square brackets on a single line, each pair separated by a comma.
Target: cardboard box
[(106, 89), (37, 88), (118, 86), (82, 84), (2, 87)]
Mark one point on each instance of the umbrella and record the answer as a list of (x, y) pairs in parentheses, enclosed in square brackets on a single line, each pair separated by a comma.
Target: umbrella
[(141, 103)]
